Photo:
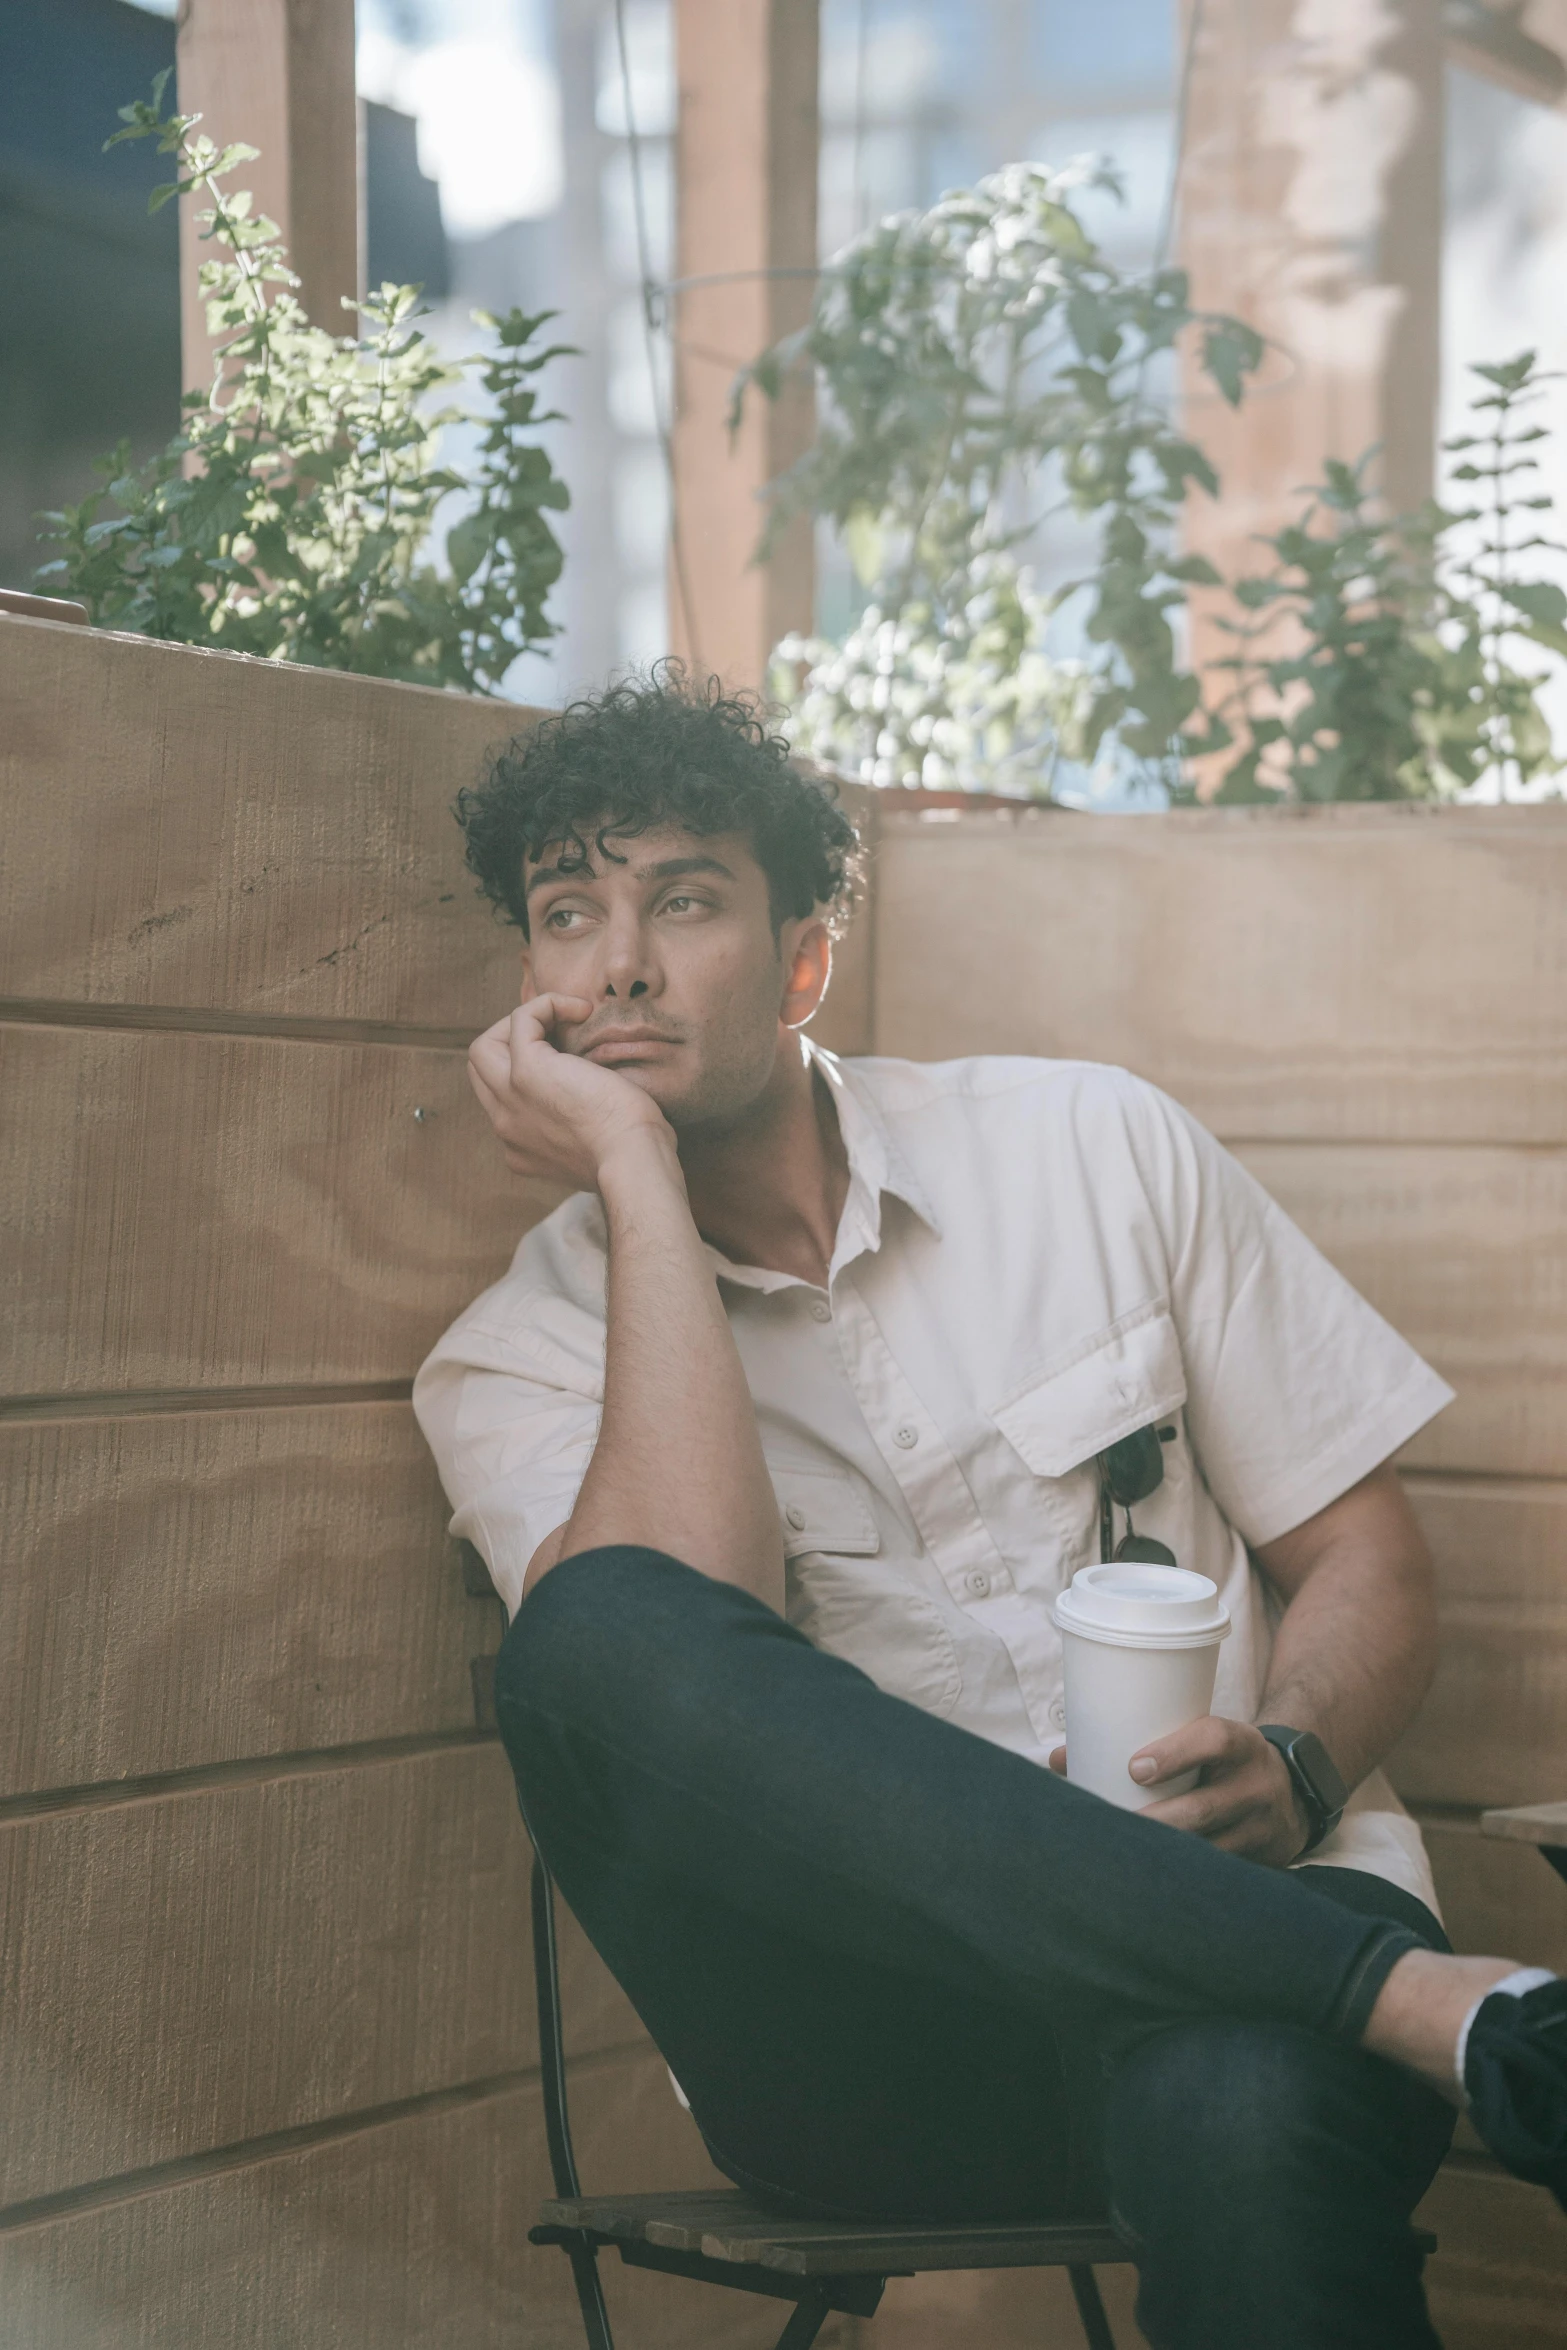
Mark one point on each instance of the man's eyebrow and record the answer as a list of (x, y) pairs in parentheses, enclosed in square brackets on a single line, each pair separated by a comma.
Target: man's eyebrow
[(675, 868), (667, 869)]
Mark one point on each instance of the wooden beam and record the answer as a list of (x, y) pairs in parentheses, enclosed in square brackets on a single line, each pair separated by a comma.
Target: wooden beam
[(746, 152), (280, 75), (1311, 205), (1529, 1823), (1520, 49)]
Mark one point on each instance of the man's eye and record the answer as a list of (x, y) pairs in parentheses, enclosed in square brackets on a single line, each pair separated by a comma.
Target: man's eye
[(562, 917)]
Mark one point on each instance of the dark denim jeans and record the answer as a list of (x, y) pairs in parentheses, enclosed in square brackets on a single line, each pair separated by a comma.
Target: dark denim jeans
[(903, 1973)]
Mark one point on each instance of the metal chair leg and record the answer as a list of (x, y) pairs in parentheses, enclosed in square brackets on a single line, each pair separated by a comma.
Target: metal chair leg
[(1085, 2292), (590, 2294), (810, 2314)]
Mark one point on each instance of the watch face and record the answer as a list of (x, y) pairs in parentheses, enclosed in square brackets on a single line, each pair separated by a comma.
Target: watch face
[(1315, 1764)]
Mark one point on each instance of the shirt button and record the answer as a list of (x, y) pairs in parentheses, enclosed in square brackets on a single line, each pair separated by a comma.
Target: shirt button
[(905, 1436), (821, 1311), (1058, 1714), (979, 1585), (795, 1516)]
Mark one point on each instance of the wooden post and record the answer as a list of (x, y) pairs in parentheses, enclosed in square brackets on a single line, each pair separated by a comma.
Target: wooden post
[(280, 75), (746, 152), (1311, 205)]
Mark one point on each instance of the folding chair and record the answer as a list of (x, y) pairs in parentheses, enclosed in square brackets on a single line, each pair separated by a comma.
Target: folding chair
[(726, 2239)]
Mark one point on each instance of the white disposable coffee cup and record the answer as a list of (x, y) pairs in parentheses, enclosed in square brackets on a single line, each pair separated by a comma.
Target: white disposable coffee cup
[(1139, 1648)]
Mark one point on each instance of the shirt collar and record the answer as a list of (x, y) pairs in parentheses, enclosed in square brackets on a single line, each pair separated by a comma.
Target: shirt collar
[(876, 1166)]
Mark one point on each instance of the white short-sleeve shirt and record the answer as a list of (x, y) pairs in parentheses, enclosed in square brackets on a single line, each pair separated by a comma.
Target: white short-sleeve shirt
[(1035, 1258)]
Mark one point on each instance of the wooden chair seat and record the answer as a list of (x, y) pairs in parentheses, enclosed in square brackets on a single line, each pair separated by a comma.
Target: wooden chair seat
[(821, 2266), (730, 2227)]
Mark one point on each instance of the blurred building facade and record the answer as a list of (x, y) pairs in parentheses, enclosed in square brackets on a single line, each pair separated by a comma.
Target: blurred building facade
[(89, 280)]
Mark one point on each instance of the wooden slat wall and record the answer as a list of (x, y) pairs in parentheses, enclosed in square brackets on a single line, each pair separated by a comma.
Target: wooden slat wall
[(269, 2068), (1370, 1006), (274, 2077), (410, 2227)]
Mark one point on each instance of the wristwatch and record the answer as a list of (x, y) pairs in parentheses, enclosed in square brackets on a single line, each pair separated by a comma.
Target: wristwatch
[(1322, 1792)]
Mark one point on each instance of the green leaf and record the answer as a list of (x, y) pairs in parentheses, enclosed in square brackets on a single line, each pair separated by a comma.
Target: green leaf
[(467, 544), (1539, 600), (864, 541), (1065, 231), (1089, 323), (1230, 352), (1196, 571)]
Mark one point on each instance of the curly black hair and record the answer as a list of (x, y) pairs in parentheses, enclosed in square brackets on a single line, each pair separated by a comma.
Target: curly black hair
[(659, 750)]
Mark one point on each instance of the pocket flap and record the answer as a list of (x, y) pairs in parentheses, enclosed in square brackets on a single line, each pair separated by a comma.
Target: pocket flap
[(821, 1511), (1123, 1382)]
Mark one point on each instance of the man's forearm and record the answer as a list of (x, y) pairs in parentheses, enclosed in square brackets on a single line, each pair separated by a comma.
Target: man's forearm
[(1355, 1651), (678, 1465)]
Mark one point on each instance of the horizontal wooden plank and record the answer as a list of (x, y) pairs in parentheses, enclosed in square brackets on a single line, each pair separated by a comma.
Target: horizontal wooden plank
[(1541, 1825), (185, 1211), (186, 827), (1465, 1252), (1500, 1900), (732, 2226), (1397, 974), (190, 1972), (190, 1588), (409, 2236), (1494, 1727)]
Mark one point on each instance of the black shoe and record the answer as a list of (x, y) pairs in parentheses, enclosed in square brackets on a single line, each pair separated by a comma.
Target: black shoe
[(1515, 2072)]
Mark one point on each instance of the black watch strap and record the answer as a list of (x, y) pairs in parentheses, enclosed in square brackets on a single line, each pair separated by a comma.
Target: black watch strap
[(1322, 1792)]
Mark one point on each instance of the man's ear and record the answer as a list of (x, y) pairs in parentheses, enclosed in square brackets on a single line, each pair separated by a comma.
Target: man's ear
[(807, 958), (528, 988)]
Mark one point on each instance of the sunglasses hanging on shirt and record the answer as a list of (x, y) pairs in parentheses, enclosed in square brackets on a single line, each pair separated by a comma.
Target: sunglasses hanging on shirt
[(1129, 1472)]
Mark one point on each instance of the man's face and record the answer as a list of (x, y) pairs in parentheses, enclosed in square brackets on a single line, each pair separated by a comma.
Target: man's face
[(674, 948)]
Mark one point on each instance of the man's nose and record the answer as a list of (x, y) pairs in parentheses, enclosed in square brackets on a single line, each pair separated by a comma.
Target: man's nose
[(630, 965)]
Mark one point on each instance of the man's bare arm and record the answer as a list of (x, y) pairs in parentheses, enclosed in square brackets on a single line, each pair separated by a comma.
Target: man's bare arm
[(678, 1465), (1353, 1658), (1356, 1649)]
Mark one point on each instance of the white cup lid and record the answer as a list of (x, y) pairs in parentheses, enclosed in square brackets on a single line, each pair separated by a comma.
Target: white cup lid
[(1141, 1605)]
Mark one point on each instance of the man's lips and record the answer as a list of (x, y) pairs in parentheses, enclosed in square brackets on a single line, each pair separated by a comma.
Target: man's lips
[(625, 1044)]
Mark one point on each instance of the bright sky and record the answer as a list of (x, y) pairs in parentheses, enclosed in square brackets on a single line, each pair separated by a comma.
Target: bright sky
[(477, 77)]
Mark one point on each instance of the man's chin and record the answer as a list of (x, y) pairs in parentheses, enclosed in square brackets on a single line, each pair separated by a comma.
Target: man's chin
[(659, 1083)]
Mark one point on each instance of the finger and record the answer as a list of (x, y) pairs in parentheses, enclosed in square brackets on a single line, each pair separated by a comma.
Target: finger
[(1212, 1739), (489, 1058), (1057, 1760), (495, 1038), (543, 1013), (532, 1028), (1207, 1811), (488, 1096)]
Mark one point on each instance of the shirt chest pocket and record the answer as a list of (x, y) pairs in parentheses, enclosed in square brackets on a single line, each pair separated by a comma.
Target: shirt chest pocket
[(1123, 1381), (819, 1510), (854, 1604)]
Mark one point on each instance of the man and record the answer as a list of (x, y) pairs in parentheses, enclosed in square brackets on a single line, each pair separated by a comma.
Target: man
[(780, 1437)]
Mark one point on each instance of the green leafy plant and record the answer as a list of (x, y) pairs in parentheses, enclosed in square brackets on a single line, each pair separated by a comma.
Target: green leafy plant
[(982, 362), (292, 514), (1483, 546), (1376, 660)]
